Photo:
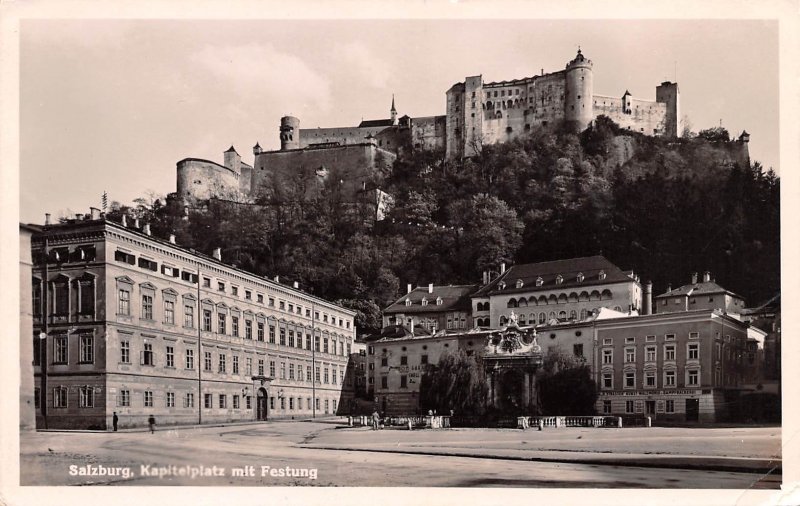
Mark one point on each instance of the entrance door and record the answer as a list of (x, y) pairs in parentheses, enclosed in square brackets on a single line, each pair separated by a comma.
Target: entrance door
[(650, 407), (261, 404), (692, 410)]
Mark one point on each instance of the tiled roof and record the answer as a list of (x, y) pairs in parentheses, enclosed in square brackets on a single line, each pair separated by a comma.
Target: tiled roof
[(375, 123), (453, 297), (568, 269), (703, 288)]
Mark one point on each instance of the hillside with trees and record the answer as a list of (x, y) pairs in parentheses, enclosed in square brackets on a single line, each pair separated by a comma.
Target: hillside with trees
[(661, 207)]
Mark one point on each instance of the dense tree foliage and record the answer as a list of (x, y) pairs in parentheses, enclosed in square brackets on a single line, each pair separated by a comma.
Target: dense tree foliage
[(565, 386), (457, 382), (661, 207)]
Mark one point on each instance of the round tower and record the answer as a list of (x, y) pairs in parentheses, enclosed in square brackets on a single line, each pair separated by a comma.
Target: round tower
[(290, 133), (578, 101)]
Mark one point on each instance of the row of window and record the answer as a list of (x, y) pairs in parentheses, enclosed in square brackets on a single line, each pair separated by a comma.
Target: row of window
[(288, 337), (87, 400), (692, 378), (60, 289), (148, 358), (174, 272), (651, 355), (608, 341), (669, 406), (423, 360)]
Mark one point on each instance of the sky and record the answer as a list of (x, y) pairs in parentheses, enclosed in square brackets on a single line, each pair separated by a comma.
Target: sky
[(112, 105)]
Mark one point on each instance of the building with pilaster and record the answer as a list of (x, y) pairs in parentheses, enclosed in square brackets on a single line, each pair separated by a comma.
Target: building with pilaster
[(125, 322)]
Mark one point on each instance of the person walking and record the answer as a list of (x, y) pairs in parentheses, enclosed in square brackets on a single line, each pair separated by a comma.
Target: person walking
[(376, 418), (152, 422), (115, 420)]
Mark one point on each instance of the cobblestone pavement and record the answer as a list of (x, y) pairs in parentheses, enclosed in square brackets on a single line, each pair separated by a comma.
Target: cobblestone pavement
[(342, 456)]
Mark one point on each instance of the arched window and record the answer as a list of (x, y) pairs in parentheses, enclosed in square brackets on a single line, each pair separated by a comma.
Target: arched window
[(408, 302), (539, 281), (562, 315), (542, 317), (573, 314), (503, 320), (519, 283), (61, 296), (86, 294), (583, 314), (559, 279), (512, 303)]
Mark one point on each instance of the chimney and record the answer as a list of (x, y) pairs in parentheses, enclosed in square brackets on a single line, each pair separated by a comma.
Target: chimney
[(503, 268), (669, 288), (95, 212), (146, 229), (217, 253), (706, 277), (78, 216), (647, 303), (46, 218), (409, 288), (124, 220), (430, 287), (694, 278), (172, 238), (136, 223), (277, 279), (296, 285)]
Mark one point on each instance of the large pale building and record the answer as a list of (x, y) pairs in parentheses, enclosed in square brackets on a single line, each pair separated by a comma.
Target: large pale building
[(560, 290), (124, 322)]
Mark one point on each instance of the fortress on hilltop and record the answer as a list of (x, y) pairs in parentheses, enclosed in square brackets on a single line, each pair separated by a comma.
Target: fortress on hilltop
[(476, 114)]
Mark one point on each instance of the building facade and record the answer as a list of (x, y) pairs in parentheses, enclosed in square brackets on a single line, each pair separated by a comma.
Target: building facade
[(433, 308), (127, 323), (559, 290), (685, 366), (705, 294)]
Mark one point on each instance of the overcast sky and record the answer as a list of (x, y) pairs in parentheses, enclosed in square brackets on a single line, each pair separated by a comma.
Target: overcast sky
[(113, 105)]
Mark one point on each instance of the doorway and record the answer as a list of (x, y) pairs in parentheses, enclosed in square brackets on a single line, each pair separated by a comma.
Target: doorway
[(650, 407), (692, 410), (261, 404)]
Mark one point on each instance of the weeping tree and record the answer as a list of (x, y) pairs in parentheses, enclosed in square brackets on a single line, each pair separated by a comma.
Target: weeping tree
[(457, 382)]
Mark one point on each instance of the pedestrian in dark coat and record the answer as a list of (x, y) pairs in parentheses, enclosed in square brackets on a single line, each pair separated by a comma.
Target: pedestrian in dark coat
[(152, 422), (115, 420)]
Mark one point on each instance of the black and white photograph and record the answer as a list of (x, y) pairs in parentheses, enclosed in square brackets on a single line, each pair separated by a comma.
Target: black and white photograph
[(455, 252)]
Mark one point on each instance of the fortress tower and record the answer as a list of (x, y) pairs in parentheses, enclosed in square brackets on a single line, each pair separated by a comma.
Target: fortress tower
[(393, 112), (232, 160), (667, 93), (578, 92), (290, 133)]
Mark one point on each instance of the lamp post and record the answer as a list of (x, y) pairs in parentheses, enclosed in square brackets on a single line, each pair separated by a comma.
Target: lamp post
[(313, 361)]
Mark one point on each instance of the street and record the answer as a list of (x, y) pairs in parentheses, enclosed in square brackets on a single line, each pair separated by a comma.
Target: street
[(325, 453)]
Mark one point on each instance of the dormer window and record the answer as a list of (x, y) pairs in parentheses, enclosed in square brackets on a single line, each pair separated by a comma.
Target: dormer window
[(539, 281), (519, 283), (424, 301), (501, 285), (602, 275), (408, 302), (439, 301), (559, 279), (580, 277)]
